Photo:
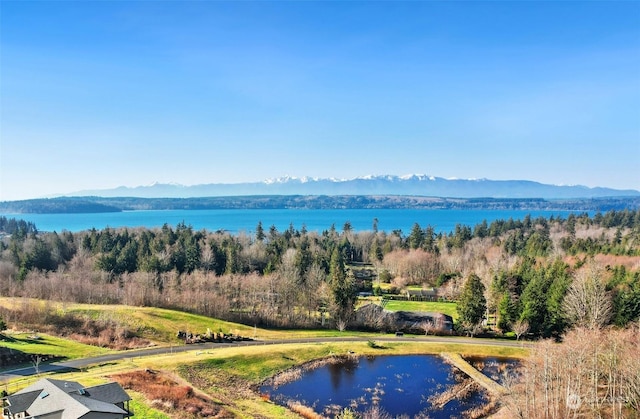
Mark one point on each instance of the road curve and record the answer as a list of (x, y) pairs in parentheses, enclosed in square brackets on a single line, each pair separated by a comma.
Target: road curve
[(77, 364)]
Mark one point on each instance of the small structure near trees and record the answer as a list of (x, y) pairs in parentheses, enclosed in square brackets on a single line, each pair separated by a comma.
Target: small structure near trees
[(373, 316), (209, 336)]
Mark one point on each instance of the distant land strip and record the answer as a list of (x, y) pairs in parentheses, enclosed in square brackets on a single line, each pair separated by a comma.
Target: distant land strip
[(77, 205)]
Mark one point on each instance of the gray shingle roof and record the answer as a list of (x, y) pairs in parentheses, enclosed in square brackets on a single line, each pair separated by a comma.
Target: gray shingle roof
[(110, 393), (69, 397), (92, 405), (20, 402)]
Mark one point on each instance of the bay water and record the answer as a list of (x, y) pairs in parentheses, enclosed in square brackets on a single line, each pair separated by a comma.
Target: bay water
[(245, 220)]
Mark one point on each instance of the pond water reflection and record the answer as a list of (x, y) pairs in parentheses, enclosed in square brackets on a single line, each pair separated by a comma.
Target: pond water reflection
[(399, 385)]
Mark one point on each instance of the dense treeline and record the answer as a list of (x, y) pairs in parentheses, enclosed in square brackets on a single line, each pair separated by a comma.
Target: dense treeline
[(93, 204), (63, 205), (19, 228), (526, 268)]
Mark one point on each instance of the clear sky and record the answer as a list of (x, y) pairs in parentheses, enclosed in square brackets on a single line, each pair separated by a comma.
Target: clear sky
[(98, 94)]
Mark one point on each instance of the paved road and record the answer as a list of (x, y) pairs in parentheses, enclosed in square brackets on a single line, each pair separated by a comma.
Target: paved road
[(77, 364)]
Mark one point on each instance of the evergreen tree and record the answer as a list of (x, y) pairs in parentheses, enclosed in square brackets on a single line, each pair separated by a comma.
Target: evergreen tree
[(344, 295), (481, 230), (303, 259), (472, 304), (534, 303), (506, 311), (260, 236), (416, 237), (559, 278), (231, 259), (273, 233), (429, 243), (192, 255), (127, 259), (347, 227), (375, 253), (626, 301)]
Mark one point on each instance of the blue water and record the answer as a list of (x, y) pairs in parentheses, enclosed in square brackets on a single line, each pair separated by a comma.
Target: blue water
[(400, 385), (239, 220)]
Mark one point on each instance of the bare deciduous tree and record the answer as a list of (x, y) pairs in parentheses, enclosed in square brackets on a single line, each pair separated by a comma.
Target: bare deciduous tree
[(592, 373), (35, 361), (520, 327), (426, 326), (587, 303), (472, 329), (341, 325), (414, 266)]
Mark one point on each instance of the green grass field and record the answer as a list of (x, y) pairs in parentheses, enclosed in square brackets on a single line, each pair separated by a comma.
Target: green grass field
[(437, 306), (141, 410), (156, 324), (49, 345)]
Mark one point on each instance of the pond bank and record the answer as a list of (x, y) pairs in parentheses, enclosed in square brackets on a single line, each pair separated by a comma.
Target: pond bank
[(426, 385), (456, 360)]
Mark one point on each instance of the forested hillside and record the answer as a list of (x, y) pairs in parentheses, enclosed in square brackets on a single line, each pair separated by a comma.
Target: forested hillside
[(529, 271)]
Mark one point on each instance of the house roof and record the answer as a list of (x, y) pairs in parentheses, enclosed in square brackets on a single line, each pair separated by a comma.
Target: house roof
[(69, 397), (401, 320), (423, 292), (20, 402), (110, 393)]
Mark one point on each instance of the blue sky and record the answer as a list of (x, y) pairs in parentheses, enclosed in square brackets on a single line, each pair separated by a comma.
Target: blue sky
[(101, 94)]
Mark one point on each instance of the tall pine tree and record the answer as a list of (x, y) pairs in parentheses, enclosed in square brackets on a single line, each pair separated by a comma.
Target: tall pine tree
[(342, 286), (472, 304)]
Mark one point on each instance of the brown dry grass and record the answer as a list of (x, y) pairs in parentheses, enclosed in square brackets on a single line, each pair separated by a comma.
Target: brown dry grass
[(44, 317), (112, 339), (304, 411), (165, 393)]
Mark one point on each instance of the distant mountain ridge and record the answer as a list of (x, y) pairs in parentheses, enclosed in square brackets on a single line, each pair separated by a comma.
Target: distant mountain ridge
[(409, 185)]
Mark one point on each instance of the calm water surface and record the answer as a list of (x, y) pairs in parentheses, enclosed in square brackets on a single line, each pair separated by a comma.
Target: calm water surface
[(400, 385), (239, 220)]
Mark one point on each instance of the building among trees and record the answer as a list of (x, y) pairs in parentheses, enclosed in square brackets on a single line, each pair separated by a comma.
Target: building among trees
[(372, 316)]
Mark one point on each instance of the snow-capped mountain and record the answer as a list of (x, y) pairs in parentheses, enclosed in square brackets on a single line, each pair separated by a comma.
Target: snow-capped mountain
[(417, 185)]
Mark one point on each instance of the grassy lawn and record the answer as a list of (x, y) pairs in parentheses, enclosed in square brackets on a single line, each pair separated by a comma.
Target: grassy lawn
[(140, 407), (157, 324), (161, 325), (49, 345), (437, 306)]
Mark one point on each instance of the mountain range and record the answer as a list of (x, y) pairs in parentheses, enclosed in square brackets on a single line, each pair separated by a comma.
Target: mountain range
[(410, 185)]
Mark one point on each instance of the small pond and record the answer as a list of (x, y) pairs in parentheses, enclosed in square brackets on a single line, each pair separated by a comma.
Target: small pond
[(409, 385)]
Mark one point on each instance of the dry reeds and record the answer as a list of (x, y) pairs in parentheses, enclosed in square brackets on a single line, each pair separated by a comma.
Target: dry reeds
[(302, 410), (167, 395)]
